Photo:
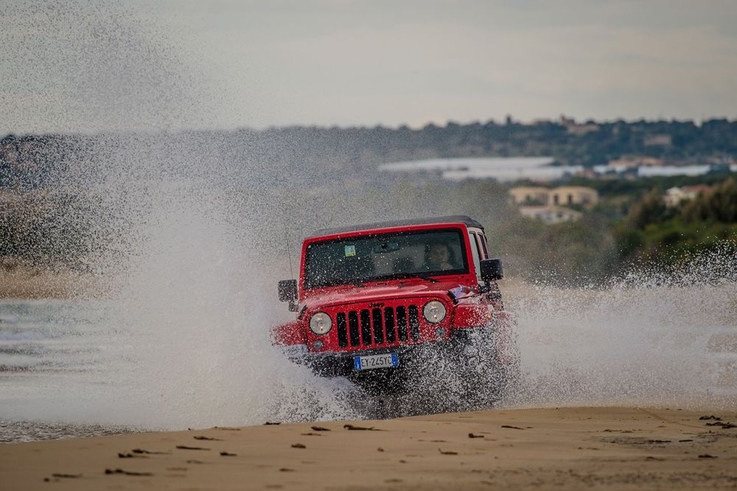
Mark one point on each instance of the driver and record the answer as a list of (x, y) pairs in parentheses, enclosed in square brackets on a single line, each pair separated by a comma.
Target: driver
[(438, 257)]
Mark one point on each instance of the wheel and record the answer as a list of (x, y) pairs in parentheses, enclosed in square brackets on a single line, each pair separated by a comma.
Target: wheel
[(488, 381)]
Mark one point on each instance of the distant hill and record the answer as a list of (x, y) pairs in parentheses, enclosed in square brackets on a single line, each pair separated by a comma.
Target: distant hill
[(355, 151)]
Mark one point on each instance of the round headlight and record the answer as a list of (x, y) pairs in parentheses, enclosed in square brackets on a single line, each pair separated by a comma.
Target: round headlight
[(434, 312), (320, 323)]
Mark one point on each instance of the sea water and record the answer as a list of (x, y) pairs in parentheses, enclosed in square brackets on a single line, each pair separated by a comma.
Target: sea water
[(71, 368)]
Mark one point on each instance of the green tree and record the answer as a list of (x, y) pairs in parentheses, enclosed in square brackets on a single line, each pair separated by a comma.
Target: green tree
[(651, 209), (719, 205)]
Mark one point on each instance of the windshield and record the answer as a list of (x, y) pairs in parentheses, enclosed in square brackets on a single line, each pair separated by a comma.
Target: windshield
[(385, 256)]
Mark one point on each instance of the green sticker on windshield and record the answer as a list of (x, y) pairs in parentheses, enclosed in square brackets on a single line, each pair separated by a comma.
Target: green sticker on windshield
[(350, 251)]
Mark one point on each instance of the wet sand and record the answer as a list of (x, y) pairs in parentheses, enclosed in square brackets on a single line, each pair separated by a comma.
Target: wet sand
[(564, 448)]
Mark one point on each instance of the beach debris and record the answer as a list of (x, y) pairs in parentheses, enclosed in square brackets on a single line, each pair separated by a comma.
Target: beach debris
[(380, 449), (228, 454), (143, 451), (319, 428), (658, 459), (194, 461), (185, 447), (359, 428), (447, 452), (207, 438), (127, 473), (707, 456), (512, 427), (684, 441), (473, 435), (66, 476), (705, 418), (226, 428), (298, 445), (724, 426), (286, 469), (270, 423), (122, 455), (310, 434)]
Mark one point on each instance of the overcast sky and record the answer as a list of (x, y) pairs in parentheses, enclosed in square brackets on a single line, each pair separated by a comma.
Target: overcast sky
[(74, 65)]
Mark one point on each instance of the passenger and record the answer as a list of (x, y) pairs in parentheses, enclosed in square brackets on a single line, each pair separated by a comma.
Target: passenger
[(438, 257)]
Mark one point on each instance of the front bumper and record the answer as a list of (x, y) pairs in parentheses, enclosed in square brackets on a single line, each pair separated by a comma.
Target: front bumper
[(415, 357)]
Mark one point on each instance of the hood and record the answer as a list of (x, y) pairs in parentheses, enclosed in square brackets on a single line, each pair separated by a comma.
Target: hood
[(380, 293)]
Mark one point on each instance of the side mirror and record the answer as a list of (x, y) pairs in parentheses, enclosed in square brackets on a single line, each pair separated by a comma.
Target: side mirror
[(288, 293), (287, 290), (491, 269)]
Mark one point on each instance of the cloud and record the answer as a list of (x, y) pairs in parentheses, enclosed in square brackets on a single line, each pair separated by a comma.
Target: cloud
[(91, 65)]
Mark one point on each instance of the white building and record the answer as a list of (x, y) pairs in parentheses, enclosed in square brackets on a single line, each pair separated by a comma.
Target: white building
[(675, 196), (563, 195), (550, 214)]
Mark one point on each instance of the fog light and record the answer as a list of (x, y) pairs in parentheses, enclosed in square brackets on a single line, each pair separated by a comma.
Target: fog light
[(317, 344)]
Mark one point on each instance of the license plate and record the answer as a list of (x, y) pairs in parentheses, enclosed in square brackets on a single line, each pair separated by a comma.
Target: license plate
[(376, 361)]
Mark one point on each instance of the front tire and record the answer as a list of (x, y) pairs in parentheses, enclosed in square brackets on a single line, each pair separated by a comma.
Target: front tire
[(488, 381)]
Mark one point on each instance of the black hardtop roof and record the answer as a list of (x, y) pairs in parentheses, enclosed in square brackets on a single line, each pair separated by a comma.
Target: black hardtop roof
[(399, 223)]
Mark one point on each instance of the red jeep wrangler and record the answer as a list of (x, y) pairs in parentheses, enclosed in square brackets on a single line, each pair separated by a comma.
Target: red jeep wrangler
[(394, 305)]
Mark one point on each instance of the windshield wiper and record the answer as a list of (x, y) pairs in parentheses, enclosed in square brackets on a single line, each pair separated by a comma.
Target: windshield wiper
[(360, 282)]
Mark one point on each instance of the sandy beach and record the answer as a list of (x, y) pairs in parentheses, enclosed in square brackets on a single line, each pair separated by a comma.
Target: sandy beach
[(563, 448)]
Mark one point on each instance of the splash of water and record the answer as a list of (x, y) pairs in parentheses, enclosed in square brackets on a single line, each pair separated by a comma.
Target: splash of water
[(172, 224), (193, 230), (650, 339)]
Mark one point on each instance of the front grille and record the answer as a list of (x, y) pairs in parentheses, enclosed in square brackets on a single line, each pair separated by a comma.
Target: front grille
[(378, 326)]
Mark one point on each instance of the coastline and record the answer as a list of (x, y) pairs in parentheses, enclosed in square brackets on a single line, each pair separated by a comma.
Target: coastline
[(568, 448)]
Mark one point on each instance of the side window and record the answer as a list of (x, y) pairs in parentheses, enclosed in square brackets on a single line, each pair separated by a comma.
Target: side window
[(484, 246), (475, 253), (480, 246)]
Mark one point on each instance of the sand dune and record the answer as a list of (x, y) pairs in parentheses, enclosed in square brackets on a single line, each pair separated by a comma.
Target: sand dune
[(564, 448)]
